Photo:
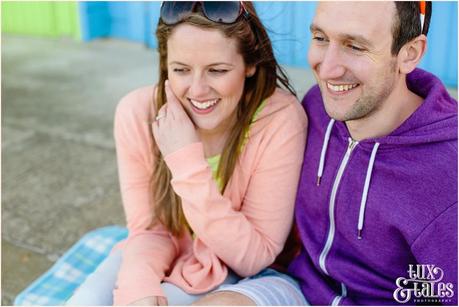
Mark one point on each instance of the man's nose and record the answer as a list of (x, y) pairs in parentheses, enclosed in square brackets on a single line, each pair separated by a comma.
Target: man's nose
[(332, 65)]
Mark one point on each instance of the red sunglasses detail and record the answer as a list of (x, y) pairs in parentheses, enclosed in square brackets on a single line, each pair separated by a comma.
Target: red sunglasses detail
[(422, 9)]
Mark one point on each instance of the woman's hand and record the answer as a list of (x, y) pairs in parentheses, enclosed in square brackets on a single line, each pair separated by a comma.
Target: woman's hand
[(173, 129), (150, 301)]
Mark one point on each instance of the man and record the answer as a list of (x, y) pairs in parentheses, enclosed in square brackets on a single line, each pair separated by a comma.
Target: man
[(377, 202), (376, 207)]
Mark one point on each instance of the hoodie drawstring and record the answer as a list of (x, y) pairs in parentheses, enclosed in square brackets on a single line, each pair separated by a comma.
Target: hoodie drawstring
[(363, 202), (320, 171)]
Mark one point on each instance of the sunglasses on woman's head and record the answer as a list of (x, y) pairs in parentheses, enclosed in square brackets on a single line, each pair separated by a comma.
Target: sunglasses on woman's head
[(226, 12)]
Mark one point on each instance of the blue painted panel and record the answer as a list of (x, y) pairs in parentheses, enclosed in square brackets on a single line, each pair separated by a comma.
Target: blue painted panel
[(288, 27), (134, 20), (287, 23), (151, 23), (127, 20), (94, 19), (441, 56)]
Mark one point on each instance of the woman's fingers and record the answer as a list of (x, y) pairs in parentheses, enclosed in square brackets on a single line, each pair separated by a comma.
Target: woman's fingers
[(172, 128), (170, 96), (175, 107)]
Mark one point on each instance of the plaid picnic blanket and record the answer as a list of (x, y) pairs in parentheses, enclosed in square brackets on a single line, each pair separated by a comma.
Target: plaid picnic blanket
[(56, 285)]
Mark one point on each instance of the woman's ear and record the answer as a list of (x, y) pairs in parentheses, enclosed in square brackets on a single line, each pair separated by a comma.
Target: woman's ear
[(411, 54), (250, 71)]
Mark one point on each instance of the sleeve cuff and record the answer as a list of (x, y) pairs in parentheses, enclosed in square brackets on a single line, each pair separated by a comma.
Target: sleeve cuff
[(186, 160)]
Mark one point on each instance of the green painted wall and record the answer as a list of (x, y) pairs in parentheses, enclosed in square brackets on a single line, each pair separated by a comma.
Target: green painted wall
[(47, 19)]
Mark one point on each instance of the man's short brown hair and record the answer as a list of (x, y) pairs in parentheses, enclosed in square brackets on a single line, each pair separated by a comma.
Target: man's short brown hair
[(407, 23)]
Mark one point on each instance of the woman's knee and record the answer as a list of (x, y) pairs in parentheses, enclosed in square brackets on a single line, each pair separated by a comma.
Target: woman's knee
[(95, 290)]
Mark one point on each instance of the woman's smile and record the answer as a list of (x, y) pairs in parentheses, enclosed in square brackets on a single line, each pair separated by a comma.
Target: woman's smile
[(204, 106)]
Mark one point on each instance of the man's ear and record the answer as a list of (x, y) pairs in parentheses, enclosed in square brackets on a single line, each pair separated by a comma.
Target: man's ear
[(411, 54)]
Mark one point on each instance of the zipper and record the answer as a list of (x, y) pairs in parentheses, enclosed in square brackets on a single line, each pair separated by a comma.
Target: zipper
[(337, 298), (331, 212)]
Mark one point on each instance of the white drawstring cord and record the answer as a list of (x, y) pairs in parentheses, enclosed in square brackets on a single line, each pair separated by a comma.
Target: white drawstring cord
[(324, 151), (363, 202), (320, 171)]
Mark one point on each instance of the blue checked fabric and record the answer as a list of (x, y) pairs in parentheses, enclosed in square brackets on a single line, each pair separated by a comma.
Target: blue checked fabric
[(57, 285)]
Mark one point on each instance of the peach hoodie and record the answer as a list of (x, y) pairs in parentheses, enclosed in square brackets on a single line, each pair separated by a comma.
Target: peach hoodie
[(244, 229)]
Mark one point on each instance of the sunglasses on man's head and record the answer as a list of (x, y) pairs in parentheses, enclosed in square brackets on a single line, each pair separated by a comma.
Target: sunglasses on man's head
[(226, 12), (422, 9)]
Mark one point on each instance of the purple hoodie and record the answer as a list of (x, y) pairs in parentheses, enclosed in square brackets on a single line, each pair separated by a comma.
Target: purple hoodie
[(383, 206)]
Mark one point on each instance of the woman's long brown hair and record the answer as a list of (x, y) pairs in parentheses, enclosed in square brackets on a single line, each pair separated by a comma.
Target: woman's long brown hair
[(256, 49)]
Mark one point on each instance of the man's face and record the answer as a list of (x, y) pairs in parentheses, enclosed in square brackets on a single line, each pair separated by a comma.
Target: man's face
[(350, 55)]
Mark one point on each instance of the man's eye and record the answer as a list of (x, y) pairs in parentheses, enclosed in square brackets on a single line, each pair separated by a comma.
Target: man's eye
[(218, 71), (318, 38), (356, 48)]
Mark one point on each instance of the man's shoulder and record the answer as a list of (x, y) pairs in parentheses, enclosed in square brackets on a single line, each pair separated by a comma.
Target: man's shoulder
[(313, 104), (313, 97)]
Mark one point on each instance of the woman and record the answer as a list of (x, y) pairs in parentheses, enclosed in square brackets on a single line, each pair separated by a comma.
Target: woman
[(208, 159)]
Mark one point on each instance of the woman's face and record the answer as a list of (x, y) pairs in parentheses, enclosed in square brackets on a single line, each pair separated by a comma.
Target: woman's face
[(207, 75)]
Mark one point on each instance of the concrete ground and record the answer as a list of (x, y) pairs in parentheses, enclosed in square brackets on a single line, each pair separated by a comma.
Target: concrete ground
[(59, 175)]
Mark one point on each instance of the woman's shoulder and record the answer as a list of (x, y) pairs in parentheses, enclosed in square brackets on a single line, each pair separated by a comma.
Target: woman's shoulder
[(279, 129), (131, 124), (138, 102), (282, 106)]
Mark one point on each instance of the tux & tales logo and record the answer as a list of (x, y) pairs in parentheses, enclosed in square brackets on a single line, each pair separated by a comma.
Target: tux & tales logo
[(424, 284)]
